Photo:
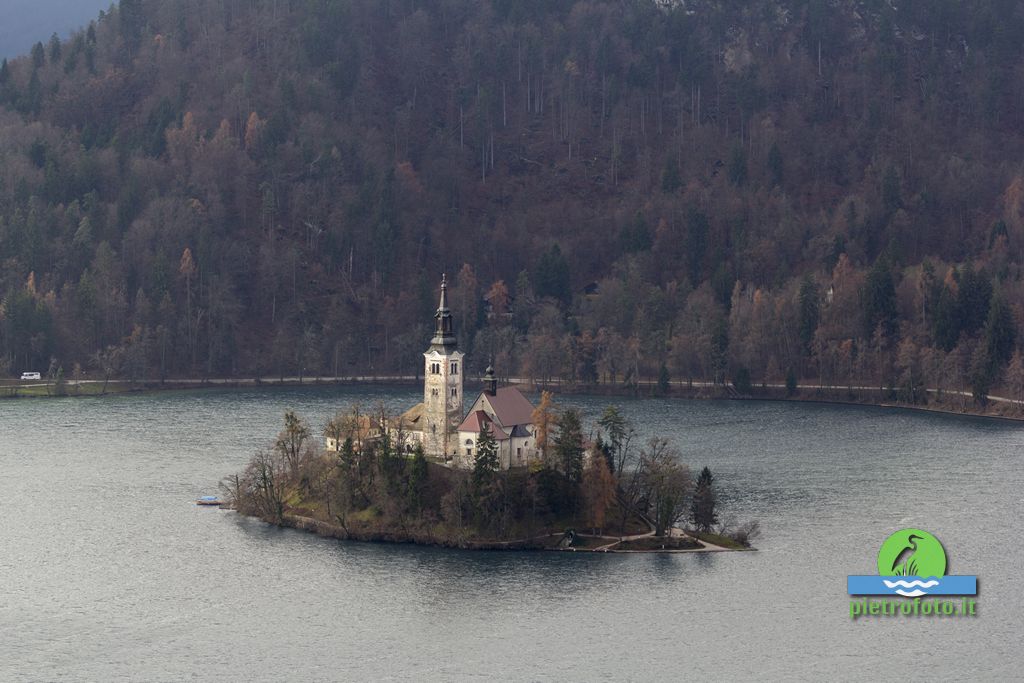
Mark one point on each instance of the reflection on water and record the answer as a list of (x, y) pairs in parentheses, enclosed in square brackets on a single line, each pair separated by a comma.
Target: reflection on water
[(108, 570)]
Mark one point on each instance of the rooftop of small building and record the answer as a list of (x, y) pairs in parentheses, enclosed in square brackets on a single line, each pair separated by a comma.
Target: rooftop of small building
[(510, 407), (411, 418), (478, 419)]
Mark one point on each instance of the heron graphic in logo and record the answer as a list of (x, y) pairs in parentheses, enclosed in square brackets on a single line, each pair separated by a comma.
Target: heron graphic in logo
[(905, 563)]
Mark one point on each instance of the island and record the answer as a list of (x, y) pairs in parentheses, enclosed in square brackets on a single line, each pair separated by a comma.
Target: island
[(604, 495), (505, 474)]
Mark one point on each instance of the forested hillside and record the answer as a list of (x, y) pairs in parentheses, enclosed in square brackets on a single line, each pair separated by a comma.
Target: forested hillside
[(617, 190)]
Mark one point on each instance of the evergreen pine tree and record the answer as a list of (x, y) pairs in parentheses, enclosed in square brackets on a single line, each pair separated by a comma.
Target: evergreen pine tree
[(483, 478), (879, 300), (1000, 333), (38, 55), (486, 462), (569, 445), (791, 384), (552, 276), (605, 450), (55, 49), (702, 510), (945, 325), (973, 300), (809, 312), (619, 431), (348, 452), (981, 374)]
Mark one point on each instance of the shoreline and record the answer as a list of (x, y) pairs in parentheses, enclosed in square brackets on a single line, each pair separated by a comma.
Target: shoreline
[(333, 531), (938, 410), (807, 393)]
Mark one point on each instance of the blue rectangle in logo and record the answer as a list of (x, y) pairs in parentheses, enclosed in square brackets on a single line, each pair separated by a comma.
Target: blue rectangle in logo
[(911, 586)]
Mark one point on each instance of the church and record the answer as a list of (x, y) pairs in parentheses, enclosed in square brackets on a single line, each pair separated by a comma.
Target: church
[(446, 432)]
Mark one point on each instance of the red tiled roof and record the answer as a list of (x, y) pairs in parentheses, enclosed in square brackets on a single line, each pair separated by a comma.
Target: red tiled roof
[(475, 419), (510, 407)]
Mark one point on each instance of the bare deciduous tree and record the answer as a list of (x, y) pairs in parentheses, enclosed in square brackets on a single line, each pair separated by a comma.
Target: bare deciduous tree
[(666, 484), (291, 440), (263, 486)]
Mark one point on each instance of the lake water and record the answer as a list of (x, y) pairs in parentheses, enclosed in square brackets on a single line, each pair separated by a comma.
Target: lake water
[(109, 571)]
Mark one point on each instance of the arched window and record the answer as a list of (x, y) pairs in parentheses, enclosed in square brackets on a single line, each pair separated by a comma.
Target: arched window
[(455, 392), (469, 442), (455, 368)]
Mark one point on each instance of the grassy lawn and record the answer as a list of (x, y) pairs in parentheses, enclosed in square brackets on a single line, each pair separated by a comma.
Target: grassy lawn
[(723, 541), (590, 542), (655, 543)]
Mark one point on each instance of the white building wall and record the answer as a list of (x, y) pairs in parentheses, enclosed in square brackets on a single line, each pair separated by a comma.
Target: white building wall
[(514, 452)]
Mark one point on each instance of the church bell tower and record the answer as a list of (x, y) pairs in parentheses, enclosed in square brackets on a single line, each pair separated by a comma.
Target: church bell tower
[(442, 383)]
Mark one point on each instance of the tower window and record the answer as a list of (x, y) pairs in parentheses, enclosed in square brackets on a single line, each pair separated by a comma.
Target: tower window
[(455, 392), (455, 368), (433, 392)]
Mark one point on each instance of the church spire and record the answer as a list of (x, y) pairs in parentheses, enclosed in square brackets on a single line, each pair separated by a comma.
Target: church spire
[(444, 336), (443, 305)]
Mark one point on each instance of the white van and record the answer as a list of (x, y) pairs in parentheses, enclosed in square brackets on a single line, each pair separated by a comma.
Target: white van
[(31, 375)]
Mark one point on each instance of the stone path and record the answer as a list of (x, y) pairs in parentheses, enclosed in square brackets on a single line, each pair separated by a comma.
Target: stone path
[(674, 532)]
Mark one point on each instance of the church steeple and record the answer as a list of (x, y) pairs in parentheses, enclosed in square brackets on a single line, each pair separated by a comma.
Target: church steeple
[(444, 335), (442, 383)]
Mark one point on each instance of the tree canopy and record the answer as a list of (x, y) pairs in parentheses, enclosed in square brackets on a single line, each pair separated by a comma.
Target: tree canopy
[(661, 186)]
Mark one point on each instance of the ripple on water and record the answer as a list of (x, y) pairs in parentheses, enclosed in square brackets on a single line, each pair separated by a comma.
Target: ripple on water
[(108, 569)]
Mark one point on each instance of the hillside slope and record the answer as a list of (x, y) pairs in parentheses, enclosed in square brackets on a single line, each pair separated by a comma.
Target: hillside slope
[(616, 189)]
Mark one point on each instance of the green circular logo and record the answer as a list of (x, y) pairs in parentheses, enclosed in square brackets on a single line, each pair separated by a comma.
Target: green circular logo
[(912, 552)]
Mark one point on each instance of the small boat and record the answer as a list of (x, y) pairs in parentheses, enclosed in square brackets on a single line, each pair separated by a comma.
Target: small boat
[(209, 500)]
